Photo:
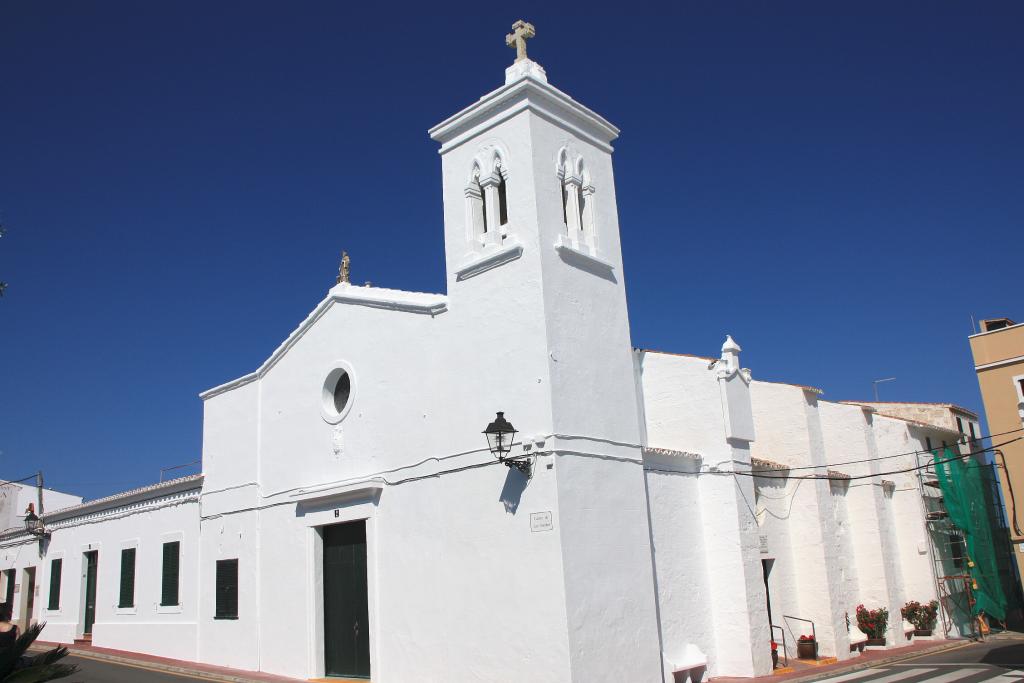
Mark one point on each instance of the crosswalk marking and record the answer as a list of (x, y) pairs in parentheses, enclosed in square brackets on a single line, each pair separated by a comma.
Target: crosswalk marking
[(958, 675), (901, 675), (1007, 677), (905, 672), (891, 678)]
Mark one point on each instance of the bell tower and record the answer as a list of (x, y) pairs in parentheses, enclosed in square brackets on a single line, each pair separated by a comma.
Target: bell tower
[(532, 251), (531, 220)]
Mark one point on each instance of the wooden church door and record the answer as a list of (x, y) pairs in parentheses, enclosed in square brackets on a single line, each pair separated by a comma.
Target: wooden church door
[(346, 604)]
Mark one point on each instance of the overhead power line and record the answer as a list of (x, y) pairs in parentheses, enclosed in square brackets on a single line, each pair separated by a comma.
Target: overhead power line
[(897, 455), (760, 474), (18, 481)]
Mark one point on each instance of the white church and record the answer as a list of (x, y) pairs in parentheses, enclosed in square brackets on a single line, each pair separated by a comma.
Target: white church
[(650, 520)]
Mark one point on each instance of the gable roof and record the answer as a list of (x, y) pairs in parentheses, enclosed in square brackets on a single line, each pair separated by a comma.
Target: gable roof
[(422, 303)]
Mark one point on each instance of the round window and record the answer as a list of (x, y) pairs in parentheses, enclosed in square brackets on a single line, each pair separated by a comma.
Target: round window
[(337, 394), (342, 388)]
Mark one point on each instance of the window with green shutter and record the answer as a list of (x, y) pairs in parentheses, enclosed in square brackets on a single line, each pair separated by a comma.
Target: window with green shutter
[(227, 590), (169, 583), (56, 566), (127, 596)]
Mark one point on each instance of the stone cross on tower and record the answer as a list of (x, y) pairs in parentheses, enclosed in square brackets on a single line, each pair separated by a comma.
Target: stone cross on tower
[(521, 32)]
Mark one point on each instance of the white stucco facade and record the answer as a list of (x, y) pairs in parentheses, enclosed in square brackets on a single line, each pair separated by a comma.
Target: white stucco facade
[(635, 549)]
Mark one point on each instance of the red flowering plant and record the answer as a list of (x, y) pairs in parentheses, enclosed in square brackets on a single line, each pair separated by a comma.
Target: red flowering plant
[(775, 646), (806, 639), (873, 622), (923, 617)]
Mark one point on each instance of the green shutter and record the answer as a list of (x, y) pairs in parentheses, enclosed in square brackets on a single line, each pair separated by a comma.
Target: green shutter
[(227, 589), (127, 597), (55, 569), (169, 584)]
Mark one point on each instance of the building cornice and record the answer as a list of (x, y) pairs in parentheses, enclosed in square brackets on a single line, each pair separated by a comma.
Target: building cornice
[(762, 465), (999, 363), (1001, 329), (127, 508), (525, 94), (192, 483), (669, 452)]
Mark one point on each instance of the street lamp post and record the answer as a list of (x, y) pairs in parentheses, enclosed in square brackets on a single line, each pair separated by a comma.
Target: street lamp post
[(500, 434)]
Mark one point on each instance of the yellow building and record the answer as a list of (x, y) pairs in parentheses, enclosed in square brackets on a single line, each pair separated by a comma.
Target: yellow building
[(999, 361)]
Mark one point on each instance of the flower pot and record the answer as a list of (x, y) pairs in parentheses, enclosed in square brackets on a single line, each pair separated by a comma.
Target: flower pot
[(807, 649), (876, 641), (922, 631), (775, 659)]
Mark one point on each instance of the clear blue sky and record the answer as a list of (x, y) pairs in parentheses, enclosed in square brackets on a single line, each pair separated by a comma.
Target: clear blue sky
[(817, 179)]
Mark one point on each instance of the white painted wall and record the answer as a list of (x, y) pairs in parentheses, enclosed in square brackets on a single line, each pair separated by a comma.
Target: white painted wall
[(145, 525), (424, 386), (15, 499), (684, 410), (800, 519)]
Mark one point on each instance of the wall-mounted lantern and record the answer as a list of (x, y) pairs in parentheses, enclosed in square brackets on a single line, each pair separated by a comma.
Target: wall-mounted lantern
[(33, 524), (500, 434)]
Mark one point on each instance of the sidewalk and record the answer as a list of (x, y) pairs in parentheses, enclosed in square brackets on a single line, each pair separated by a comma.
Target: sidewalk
[(205, 672), (805, 672)]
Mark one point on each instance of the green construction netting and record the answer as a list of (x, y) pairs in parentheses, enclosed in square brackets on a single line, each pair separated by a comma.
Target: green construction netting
[(964, 497)]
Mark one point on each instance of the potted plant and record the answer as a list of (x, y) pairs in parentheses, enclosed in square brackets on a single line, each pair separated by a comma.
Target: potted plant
[(807, 647), (923, 617), (775, 655), (873, 623)]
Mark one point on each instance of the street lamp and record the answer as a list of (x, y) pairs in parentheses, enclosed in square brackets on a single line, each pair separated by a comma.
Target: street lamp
[(33, 524), (500, 434)]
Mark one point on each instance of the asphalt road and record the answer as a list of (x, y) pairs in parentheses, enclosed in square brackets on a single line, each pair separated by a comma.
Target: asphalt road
[(998, 660), (94, 671)]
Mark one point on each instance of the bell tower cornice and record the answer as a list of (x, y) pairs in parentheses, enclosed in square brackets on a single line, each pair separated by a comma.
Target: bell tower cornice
[(526, 89)]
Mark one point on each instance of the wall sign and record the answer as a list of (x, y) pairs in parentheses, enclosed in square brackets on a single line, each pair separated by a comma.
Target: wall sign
[(541, 521), (763, 543)]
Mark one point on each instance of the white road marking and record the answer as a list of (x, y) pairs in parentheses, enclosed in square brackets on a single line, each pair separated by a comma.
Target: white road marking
[(953, 676), (891, 678), (1007, 677)]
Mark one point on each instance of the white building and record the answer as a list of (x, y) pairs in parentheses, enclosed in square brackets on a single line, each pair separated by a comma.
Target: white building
[(349, 519)]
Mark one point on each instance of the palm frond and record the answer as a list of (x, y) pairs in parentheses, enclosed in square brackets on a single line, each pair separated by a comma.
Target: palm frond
[(38, 674), (10, 655), (50, 656)]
